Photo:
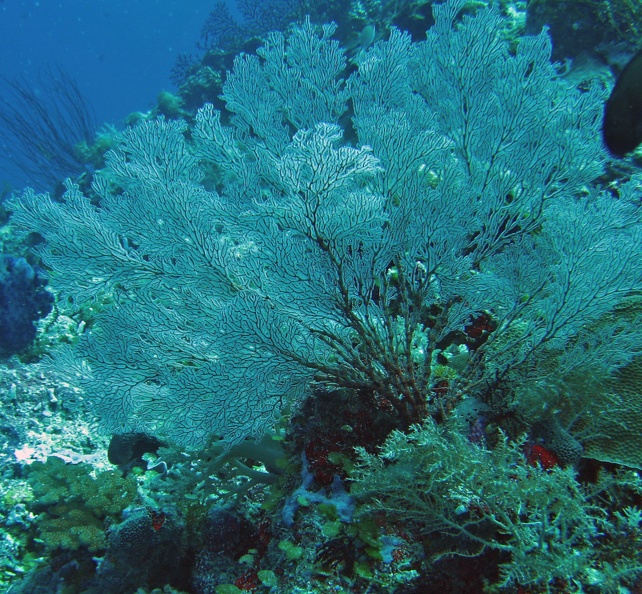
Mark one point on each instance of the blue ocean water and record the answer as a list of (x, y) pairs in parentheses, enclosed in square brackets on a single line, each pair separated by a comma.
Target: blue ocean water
[(119, 52)]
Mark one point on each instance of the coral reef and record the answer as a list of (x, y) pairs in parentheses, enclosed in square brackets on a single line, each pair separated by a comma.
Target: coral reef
[(369, 316)]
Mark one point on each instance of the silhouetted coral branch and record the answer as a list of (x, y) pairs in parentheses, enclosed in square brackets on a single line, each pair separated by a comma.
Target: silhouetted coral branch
[(42, 125)]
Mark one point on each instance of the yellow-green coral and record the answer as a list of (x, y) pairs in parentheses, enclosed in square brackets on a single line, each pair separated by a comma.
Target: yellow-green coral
[(73, 529), (74, 503)]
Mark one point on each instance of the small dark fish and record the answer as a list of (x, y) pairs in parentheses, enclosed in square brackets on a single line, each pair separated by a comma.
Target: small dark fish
[(622, 123)]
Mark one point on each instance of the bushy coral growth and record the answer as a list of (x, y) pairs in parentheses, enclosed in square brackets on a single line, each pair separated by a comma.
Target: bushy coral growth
[(73, 505), (470, 499)]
